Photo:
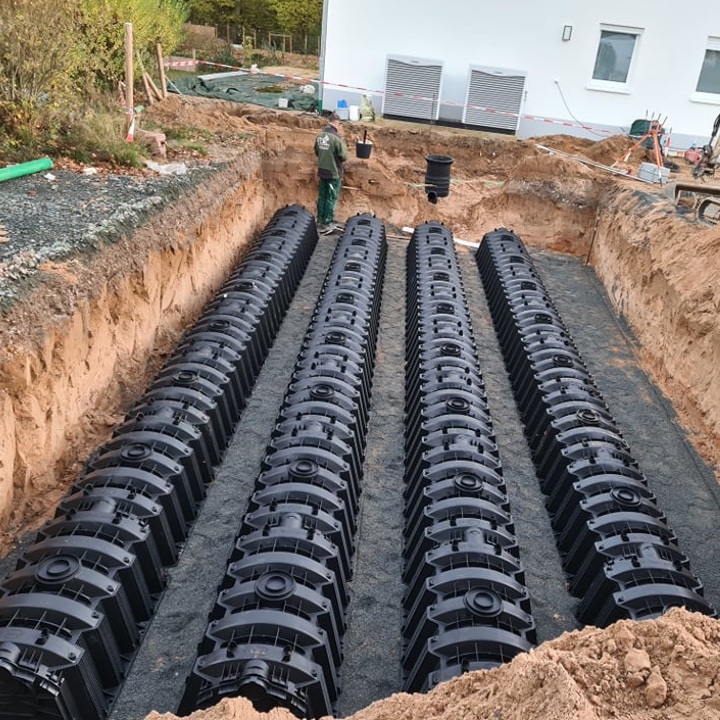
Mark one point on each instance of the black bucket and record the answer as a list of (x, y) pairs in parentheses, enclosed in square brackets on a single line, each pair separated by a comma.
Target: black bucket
[(363, 149), (437, 176)]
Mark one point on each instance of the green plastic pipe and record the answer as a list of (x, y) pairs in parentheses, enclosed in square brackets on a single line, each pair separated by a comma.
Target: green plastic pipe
[(26, 168)]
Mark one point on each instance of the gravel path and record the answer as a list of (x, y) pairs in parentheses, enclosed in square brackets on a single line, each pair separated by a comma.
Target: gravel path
[(59, 214)]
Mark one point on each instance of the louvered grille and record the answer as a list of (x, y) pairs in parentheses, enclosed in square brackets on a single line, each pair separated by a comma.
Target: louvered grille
[(408, 79), (496, 89)]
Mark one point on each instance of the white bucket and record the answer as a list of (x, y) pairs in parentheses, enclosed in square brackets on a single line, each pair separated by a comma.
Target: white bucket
[(354, 112), (282, 102)]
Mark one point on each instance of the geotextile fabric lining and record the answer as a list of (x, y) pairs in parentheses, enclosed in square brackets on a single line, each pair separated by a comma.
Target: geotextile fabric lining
[(255, 89)]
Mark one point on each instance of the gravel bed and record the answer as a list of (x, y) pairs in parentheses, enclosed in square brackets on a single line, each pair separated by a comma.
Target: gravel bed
[(62, 214)]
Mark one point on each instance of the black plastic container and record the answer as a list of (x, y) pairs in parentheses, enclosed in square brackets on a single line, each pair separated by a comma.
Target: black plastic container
[(437, 176), (465, 606)]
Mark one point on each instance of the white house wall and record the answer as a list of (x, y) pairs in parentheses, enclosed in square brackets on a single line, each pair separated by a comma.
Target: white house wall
[(527, 35)]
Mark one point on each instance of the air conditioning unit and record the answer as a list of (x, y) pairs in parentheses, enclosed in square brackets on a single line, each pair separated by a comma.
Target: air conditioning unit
[(412, 87), (494, 96)]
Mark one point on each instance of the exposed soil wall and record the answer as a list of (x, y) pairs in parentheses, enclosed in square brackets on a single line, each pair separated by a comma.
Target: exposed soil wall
[(85, 344), (661, 271), (495, 180)]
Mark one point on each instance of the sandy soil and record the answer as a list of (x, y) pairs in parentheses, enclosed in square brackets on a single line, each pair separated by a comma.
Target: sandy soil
[(659, 267), (663, 669)]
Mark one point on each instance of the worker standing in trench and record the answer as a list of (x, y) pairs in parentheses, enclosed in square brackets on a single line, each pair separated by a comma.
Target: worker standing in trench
[(331, 150)]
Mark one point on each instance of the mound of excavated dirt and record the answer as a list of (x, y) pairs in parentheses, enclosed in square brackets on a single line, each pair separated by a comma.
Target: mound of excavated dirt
[(605, 150), (613, 149), (663, 669)]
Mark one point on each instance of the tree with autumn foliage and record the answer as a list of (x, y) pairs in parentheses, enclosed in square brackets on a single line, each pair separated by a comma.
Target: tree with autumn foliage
[(289, 16), (298, 16)]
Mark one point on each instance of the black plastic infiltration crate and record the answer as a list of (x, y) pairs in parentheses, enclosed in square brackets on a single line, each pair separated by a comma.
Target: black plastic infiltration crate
[(621, 557), (275, 635), (74, 611), (466, 606)]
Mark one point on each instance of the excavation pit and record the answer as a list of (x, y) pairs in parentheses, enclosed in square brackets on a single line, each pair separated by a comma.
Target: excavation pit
[(82, 345)]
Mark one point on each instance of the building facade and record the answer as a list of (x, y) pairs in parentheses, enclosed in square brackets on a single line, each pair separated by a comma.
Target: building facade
[(532, 67)]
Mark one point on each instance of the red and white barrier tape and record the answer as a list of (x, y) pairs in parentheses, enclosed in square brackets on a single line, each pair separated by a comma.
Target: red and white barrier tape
[(130, 137), (182, 63), (495, 111)]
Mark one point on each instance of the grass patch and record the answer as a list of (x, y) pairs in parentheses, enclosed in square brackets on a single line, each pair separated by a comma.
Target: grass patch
[(187, 134), (99, 135), (195, 147), (188, 139)]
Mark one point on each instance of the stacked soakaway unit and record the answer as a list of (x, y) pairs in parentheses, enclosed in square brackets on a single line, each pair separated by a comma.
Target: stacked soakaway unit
[(275, 634), (621, 556), (74, 612), (466, 606)]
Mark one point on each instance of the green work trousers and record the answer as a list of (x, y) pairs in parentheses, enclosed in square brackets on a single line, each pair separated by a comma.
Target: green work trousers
[(328, 193)]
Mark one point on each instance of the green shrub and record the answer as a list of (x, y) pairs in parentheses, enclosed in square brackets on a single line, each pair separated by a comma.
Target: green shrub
[(38, 69), (103, 28), (56, 54), (201, 38), (224, 56)]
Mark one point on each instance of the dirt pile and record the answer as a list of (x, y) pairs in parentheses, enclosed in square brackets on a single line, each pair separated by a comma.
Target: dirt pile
[(614, 149), (606, 150), (663, 669)]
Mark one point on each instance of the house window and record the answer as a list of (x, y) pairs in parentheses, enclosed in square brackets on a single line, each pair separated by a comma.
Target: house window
[(709, 80), (614, 55)]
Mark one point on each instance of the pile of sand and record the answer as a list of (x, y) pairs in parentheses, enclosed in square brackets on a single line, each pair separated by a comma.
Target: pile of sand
[(663, 669)]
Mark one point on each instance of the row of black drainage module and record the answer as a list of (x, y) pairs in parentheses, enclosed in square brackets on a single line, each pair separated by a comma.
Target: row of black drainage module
[(275, 634), (621, 557), (466, 605), (73, 613)]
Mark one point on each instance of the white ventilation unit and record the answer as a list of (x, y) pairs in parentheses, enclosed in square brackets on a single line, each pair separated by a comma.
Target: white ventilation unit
[(412, 87), (494, 89)]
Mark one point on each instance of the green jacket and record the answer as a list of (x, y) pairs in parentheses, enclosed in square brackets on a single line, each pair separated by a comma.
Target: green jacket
[(331, 152)]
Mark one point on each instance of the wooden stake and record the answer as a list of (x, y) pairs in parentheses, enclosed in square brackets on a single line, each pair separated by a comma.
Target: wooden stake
[(155, 89), (148, 92), (161, 69), (129, 77)]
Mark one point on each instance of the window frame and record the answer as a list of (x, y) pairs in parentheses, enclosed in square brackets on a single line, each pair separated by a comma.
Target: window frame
[(613, 86), (713, 43)]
